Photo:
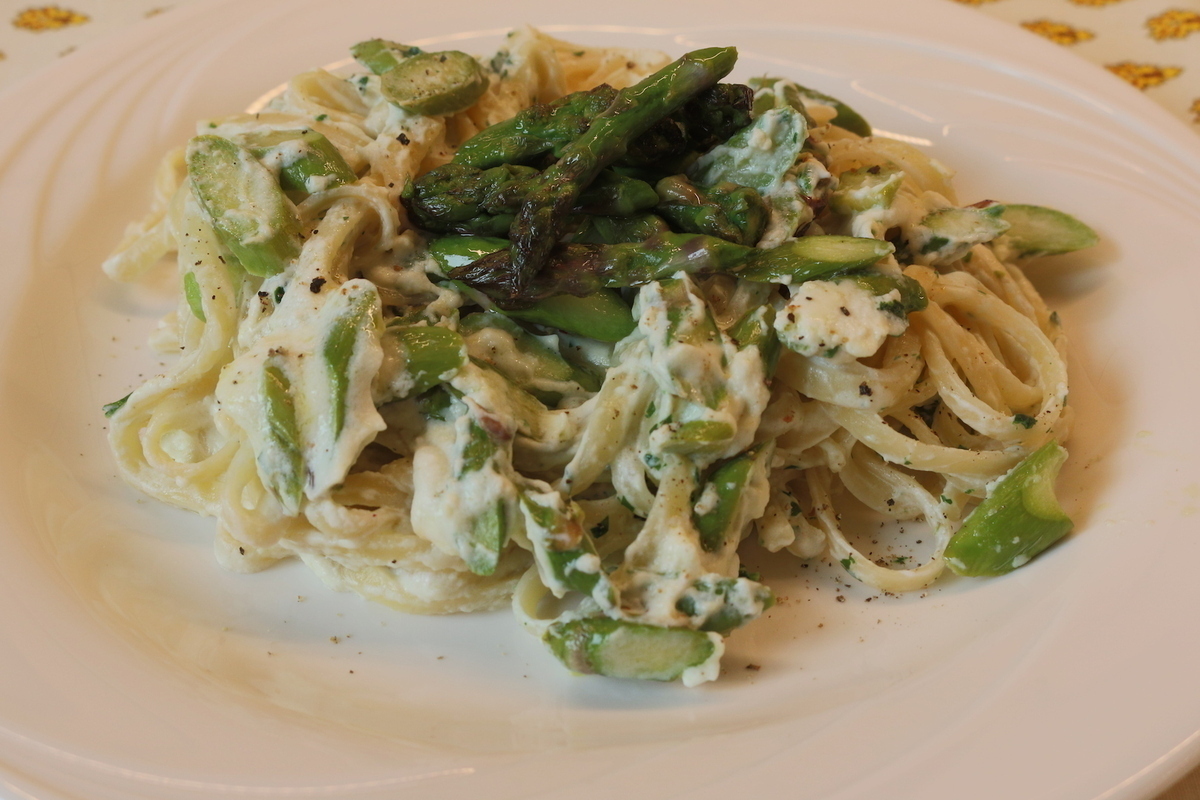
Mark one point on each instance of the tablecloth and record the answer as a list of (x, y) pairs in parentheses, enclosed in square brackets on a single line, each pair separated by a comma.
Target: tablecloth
[(1152, 44)]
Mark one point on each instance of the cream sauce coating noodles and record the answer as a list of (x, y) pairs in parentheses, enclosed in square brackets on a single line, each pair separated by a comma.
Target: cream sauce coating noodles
[(912, 415)]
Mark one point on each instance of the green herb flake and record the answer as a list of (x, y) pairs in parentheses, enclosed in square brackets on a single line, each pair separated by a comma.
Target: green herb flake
[(847, 563), (600, 528), (321, 117), (115, 406), (1024, 420)]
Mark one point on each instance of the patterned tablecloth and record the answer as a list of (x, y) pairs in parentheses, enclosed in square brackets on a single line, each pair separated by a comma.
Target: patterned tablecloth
[(1152, 44)]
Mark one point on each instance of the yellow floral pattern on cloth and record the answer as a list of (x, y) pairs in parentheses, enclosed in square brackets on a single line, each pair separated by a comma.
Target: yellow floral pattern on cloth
[(45, 18), (1174, 24), (1058, 32), (1143, 76), (1153, 45)]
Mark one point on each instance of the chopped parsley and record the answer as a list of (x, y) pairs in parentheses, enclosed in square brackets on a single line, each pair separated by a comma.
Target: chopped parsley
[(115, 406)]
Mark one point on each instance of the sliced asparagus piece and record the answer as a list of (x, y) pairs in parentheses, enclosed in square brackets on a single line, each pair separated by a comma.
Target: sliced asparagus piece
[(948, 233), (337, 350), (565, 553), (249, 212), (756, 328), (721, 522), (621, 649), (866, 188), (434, 83), (419, 357), (1040, 231), (282, 462), (1020, 518), (381, 55), (308, 162)]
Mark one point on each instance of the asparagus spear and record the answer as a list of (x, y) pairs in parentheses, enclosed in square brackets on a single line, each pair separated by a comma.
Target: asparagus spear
[(580, 269), (600, 315), (1018, 520), (619, 230), (540, 222), (537, 130), (249, 212), (545, 130), (458, 199), (726, 210)]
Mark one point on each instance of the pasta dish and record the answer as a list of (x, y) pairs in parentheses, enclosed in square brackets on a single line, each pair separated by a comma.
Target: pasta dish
[(563, 328)]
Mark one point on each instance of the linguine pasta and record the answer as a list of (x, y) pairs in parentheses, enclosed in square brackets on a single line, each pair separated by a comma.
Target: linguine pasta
[(379, 485)]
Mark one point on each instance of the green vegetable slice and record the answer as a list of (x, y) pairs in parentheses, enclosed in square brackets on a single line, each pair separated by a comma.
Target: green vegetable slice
[(621, 649), (1018, 520), (434, 83), (246, 207), (1040, 231)]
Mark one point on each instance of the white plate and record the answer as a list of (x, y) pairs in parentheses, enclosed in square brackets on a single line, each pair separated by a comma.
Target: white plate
[(133, 667)]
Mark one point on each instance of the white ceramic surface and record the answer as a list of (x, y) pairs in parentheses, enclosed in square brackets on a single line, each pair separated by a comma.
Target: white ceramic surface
[(132, 667)]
